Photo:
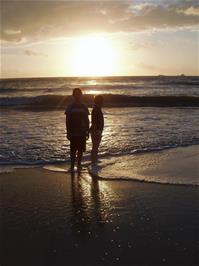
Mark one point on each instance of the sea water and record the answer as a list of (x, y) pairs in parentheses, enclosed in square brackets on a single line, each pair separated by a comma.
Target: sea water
[(30, 136)]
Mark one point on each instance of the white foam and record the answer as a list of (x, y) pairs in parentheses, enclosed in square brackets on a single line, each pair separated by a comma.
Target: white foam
[(176, 166), (6, 169), (11, 168), (55, 168)]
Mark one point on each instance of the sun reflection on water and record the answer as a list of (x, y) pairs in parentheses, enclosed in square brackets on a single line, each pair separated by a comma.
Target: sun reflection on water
[(92, 82), (93, 91), (91, 203)]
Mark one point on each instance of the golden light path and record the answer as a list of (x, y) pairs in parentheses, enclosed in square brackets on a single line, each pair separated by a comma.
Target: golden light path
[(93, 56)]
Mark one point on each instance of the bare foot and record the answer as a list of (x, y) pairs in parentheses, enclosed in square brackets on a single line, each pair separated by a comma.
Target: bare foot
[(79, 168), (71, 170)]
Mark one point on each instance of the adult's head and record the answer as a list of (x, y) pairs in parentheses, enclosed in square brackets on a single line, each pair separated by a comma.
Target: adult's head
[(98, 100), (77, 94)]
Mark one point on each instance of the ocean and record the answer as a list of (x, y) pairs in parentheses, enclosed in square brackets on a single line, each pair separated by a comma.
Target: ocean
[(142, 114)]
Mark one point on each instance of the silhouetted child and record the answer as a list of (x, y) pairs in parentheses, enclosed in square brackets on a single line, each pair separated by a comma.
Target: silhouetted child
[(77, 126), (97, 126)]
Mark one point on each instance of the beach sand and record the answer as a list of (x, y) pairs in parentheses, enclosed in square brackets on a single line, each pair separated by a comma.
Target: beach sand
[(53, 218)]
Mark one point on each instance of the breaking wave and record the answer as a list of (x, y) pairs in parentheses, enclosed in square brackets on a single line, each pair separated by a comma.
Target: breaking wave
[(110, 100)]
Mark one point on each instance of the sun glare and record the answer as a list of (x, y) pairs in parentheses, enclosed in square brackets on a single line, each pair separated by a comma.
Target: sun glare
[(93, 56)]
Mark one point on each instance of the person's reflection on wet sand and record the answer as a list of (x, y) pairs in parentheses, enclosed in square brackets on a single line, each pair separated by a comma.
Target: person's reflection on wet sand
[(98, 210), (80, 219)]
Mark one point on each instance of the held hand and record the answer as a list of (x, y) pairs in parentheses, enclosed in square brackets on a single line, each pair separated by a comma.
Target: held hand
[(68, 136), (87, 135)]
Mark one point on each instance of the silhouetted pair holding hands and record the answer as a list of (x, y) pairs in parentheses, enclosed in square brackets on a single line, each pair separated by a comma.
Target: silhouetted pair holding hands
[(77, 127)]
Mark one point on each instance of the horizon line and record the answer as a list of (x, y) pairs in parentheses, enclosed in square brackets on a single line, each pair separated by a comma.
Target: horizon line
[(98, 77)]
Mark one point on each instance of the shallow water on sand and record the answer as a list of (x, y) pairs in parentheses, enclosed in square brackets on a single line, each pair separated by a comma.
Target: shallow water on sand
[(40, 137)]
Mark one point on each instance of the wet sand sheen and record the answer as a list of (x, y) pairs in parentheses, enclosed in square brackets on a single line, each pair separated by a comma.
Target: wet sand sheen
[(53, 218)]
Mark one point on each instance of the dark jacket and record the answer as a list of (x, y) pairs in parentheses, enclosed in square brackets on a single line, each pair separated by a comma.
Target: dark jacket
[(77, 122), (97, 119)]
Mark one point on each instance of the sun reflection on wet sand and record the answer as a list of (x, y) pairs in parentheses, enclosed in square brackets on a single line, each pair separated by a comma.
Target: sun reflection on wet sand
[(93, 217), (91, 203)]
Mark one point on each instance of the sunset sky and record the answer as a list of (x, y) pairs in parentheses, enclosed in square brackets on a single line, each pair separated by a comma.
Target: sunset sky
[(72, 38)]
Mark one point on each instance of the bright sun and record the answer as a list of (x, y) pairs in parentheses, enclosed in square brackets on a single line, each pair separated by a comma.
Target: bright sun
[(93, 56)]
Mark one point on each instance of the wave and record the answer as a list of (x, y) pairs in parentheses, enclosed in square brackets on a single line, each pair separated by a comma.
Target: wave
[(184, 83), (33, 89), (54, 102), (102, 155), (8, 90), (135, 85)]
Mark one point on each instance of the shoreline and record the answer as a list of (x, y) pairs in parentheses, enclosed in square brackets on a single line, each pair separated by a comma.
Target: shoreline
[(147, 167)]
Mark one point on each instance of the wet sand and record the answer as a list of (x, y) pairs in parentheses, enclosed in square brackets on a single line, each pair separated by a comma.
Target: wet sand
[(53, 218)]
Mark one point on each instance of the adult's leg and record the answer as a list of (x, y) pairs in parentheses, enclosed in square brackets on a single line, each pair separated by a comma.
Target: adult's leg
[(81, 149), (79, 159), (72, 158)]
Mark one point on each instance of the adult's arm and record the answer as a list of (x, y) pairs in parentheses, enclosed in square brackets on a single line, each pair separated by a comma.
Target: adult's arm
[(87, 123), (68, 133)]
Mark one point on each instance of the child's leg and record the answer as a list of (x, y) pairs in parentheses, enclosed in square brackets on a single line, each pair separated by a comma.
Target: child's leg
[(96, 139), (94, 152)]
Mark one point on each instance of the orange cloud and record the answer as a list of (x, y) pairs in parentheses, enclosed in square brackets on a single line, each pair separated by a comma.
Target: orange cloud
[(38, 20)]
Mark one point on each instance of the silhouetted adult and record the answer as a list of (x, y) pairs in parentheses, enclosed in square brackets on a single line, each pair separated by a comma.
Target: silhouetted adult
[(77, 126)]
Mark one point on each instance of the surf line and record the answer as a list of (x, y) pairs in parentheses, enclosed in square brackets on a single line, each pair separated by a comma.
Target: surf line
[(94, 175)]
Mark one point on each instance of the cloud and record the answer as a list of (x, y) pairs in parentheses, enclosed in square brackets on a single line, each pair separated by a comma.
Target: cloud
[(33, 53), (190, 11), (12, 32), (39, 20)]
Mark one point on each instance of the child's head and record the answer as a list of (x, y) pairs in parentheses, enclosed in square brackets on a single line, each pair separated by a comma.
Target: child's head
[(77, 94), (98, 100)]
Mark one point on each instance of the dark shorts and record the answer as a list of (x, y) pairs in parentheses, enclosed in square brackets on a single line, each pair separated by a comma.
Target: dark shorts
[(78, 143)]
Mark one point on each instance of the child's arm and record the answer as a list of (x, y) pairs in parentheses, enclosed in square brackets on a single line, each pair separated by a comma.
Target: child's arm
[(94, 119), (87, 125)]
